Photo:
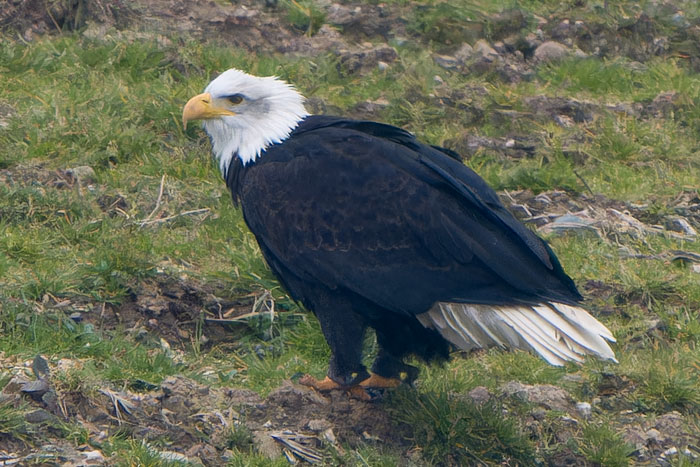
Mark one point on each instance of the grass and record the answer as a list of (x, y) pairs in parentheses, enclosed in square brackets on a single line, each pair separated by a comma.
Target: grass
[(604, 446), (114, 105), (458, 432), (304, 15), (12, 422)]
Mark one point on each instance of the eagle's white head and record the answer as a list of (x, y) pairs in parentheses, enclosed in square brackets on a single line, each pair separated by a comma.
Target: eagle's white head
[(244, 114)]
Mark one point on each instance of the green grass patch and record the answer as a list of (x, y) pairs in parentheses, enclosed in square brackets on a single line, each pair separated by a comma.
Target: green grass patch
[(12, 422), (455, 431), (305, 15), (604, 446)]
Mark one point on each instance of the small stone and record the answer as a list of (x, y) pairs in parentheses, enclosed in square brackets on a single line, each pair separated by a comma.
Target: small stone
[(564, 121), (652, 435), (464, 53), (372, 107), (679, 224), (538, 414), (532, 41), (561, 30), (480, 395), (83, 174), (341, 14), (584, 409), (672, 451), (141, 334), (330, 436), (578, 53), (95, 457), (267, 424), (660, 45), (499, 47), (550, 51), (382, 66), (318, 425), (259, 351), (545, 395), (36, 388), (484, 49), (447, 62), (38, 416)]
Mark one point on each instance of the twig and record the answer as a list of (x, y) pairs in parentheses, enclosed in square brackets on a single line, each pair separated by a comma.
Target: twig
[(53, 20), (160, 196), (233, 320), (166, 219), (584, 183)]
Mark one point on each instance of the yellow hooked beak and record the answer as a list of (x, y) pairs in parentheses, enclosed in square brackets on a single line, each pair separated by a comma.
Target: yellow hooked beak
[(202, 107)]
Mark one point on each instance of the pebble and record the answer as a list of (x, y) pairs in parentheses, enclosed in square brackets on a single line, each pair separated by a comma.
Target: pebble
[(83, 174), (93, 456), (652, 435), (464, 53), (550, 51), (484, 49), (670, 452), (584, 409), (318, 425), (447, 62), (480, 395), (680, 224), (38, 416)]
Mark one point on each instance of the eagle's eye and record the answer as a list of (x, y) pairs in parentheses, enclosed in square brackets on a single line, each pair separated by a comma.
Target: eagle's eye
[(234, 99)]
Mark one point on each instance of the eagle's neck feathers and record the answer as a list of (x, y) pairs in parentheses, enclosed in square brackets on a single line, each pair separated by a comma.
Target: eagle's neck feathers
[(269, 113)]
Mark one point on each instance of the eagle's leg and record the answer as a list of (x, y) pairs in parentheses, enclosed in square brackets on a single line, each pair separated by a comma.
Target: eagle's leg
[(344, 331), (345, 366), (393, 369)]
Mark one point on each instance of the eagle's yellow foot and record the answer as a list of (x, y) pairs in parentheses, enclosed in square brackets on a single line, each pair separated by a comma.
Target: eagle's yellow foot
[(327, 384), (357, 391), (380, 382), (324, 385)]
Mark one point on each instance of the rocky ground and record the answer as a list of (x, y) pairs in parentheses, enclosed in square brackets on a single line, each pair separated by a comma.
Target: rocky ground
[(294, 420)]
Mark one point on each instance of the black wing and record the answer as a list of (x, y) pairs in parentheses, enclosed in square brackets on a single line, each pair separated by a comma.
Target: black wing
[(365, 207)]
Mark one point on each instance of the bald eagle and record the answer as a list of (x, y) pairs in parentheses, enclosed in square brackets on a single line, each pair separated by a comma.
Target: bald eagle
[(368, 227)]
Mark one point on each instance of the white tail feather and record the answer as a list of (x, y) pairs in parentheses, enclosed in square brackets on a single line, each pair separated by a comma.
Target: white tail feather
[(556, 331)]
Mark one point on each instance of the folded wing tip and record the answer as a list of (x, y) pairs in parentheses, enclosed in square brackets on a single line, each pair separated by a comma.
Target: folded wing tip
[(556, 332)]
